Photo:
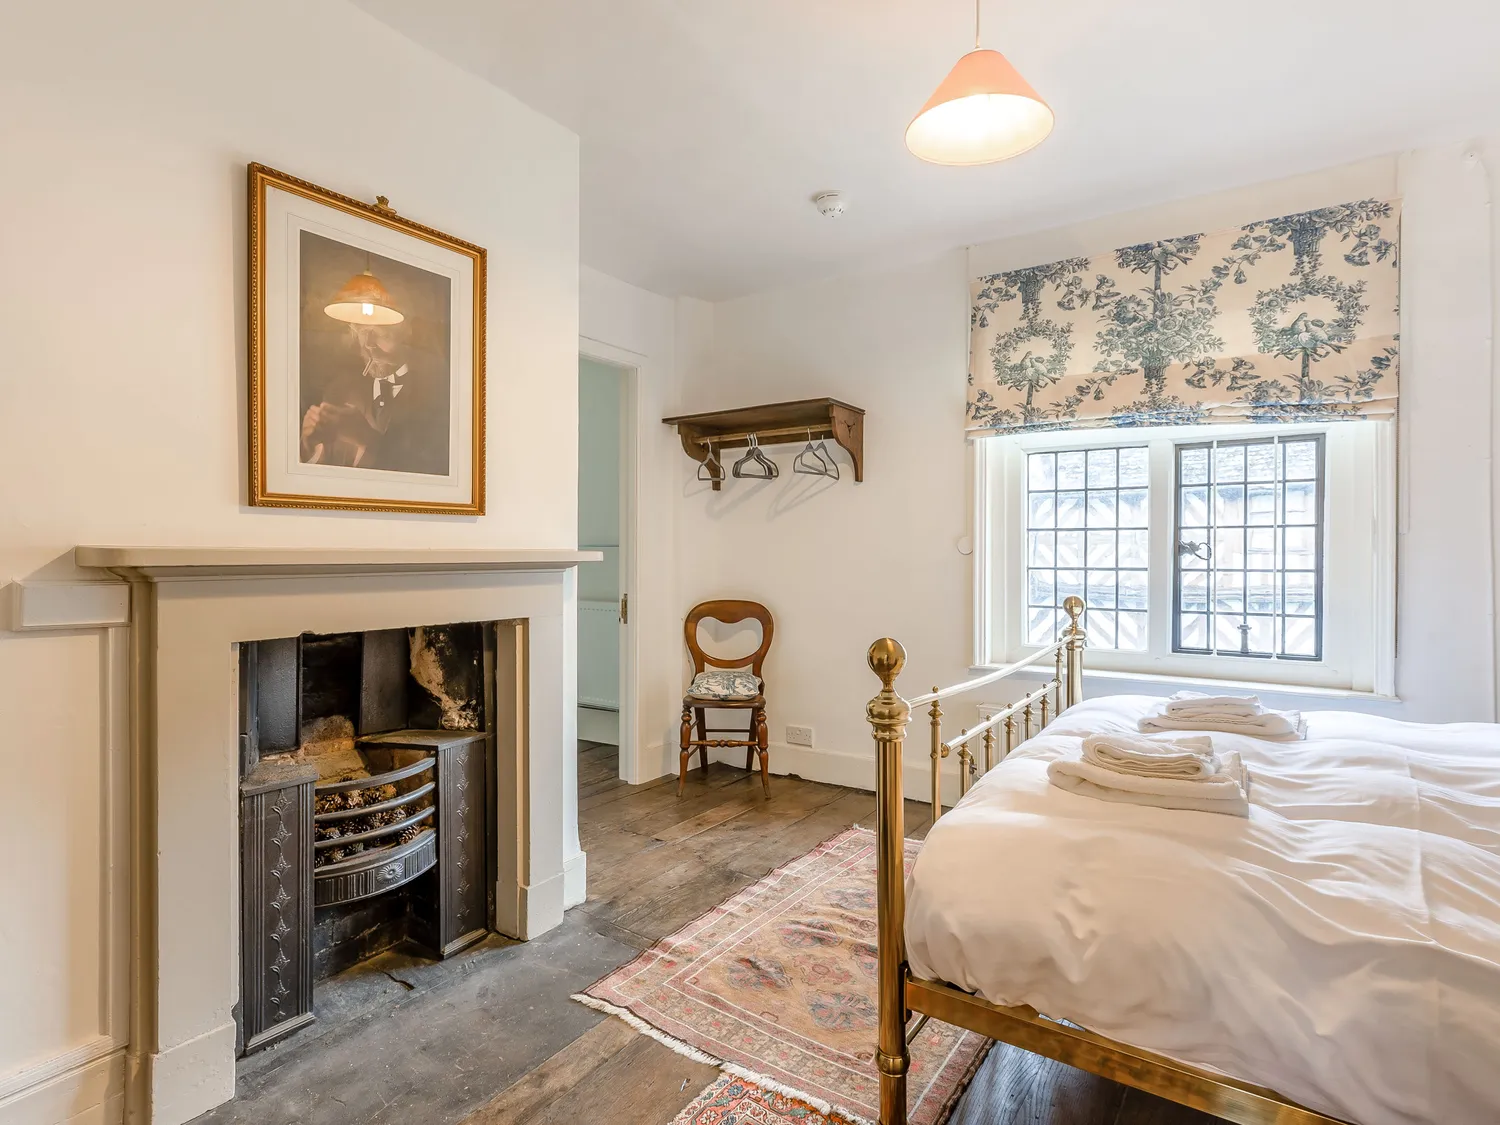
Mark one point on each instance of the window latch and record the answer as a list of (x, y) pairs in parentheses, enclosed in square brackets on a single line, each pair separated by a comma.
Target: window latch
[(1197, 550)]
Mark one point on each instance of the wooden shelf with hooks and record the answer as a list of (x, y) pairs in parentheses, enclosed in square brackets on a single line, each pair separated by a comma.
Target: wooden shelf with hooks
[(776, 423)]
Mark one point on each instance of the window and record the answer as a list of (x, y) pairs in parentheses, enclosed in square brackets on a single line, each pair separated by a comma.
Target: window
[(1241, 553), (1249, 551), (1086, 536)]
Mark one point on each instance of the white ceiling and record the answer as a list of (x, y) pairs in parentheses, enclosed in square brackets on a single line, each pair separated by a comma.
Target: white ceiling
[(707, 125)]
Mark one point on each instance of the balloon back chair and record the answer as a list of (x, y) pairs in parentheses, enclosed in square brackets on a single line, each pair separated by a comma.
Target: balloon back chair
[(726, 683)]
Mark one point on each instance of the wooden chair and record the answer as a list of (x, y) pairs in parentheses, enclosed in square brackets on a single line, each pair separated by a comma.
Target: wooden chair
[(720, 683)]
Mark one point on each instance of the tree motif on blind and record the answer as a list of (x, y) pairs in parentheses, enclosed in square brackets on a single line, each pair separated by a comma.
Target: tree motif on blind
[(1263, 323)]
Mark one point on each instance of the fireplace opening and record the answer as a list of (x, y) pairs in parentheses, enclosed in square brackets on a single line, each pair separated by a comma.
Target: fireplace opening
[(366, 761)]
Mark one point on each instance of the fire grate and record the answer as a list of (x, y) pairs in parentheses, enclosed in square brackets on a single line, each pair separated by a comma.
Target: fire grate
[(373, 826)]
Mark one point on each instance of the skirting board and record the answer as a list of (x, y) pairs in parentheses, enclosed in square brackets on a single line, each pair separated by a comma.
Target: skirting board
[(598, 725), (831, 767), (192, 1077), (535, 909), (576, 880), (84, 1087)]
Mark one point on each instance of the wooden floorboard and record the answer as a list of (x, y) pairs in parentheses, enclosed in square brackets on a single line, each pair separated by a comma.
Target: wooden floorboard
[(1017, 1088)]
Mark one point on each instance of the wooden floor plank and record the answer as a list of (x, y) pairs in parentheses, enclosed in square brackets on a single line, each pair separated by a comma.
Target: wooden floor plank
[(1017, 1088), (1145, 1109), (687, 829), (573, 1065), (644, 1084)]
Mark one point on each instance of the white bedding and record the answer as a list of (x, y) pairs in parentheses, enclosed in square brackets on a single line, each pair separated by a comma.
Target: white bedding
[(1341, 946)]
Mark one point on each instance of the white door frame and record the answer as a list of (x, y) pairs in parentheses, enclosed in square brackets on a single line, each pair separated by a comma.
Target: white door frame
[(629, 365)]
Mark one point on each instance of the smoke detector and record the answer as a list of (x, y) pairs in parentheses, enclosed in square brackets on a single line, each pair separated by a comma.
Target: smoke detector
[(830, 204)]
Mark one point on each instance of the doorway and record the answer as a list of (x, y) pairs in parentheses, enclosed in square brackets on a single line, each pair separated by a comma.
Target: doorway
[(604, 436)]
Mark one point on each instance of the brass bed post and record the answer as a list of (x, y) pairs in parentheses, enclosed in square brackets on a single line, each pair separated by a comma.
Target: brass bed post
[(939, 752), (1074, 636), (989, 749), (887, 714)]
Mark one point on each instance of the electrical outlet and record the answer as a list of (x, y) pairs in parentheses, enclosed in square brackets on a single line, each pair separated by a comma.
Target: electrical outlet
[(799, 736)]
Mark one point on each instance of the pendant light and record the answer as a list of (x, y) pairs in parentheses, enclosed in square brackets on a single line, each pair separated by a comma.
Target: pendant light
[(363, 300), (983, 112)]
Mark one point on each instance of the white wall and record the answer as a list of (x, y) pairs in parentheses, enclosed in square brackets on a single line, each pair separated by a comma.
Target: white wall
[(841, 565), (122, 382)]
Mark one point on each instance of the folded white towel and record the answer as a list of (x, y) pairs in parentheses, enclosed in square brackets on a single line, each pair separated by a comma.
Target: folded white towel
[(1225, 793), (1188, 757), (1194, 703), (1273, 726)]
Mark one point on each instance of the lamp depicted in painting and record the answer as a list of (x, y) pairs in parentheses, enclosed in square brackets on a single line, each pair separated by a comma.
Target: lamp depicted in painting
[(367, 372)]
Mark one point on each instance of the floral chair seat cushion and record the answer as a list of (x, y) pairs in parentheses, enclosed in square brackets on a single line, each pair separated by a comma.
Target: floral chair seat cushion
[(735, 684)]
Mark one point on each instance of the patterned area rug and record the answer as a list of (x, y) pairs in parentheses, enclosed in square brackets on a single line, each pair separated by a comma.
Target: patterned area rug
[(731, 1100), (777, 985)]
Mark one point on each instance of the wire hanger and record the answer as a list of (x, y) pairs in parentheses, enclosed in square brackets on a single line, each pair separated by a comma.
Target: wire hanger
[(753, 457), (815, 461), (711, 463)]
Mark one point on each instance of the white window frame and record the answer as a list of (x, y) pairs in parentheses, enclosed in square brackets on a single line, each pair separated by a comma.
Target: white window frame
[(1359, 588)]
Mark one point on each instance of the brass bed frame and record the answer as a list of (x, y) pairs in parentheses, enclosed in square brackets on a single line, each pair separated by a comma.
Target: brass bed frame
[(903, 996)]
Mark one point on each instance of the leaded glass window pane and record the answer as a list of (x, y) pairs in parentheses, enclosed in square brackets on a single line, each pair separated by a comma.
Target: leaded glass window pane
[(1249, 560), (1086, 516)]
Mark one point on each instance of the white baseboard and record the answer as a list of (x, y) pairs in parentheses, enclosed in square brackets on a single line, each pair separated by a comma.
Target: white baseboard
[(83, 1087), (576, 880), (192, 1077), (597, 725), (837, 767)]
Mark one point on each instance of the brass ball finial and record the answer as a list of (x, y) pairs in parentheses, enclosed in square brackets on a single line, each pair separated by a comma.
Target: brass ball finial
[(887, 658), (1073, 607)]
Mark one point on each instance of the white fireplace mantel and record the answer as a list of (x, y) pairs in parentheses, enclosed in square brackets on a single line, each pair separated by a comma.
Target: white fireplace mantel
[(188, 609), (211, 562)]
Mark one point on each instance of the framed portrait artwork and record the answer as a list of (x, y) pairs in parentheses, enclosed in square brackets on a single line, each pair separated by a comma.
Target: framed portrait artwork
[(366, 356)]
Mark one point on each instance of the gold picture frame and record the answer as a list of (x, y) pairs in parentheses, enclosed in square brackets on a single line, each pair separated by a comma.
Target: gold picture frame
[(411, 322)]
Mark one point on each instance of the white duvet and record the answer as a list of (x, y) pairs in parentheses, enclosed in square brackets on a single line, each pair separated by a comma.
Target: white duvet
[(1341, 946)]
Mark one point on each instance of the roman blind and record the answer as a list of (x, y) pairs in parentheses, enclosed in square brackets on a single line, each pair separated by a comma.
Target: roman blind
[(1283, 320)]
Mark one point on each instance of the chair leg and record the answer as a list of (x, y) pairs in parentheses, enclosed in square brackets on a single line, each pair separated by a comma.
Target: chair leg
[(749, 757), (703, 737), (684, 743), (762, 744)]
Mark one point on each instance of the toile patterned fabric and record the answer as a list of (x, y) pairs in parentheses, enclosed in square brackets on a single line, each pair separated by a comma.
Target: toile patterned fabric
[(733, 684), (1284, 320), (730, 1100), (778, 984)]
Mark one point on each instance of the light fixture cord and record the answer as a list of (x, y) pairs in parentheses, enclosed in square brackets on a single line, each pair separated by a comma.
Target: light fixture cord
[(976, 24)]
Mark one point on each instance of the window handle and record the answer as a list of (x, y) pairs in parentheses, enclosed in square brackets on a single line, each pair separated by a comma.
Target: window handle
[(1197, 550)]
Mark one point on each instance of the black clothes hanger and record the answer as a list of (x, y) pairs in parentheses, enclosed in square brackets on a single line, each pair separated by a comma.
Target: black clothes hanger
[(754, 457)]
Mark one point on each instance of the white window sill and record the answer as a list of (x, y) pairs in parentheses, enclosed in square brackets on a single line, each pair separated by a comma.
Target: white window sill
[(1151, 683)]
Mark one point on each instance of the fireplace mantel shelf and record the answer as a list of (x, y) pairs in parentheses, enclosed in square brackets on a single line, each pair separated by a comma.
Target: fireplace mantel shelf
[(251, 562)]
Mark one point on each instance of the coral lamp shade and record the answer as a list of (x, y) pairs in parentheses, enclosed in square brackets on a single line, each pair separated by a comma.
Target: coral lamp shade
[(363, 300), (984, 111)]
